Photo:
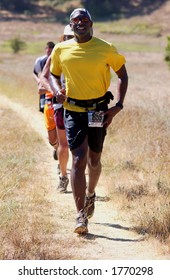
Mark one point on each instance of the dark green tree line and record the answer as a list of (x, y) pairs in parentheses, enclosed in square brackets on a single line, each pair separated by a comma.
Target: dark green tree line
[(122, 7), (99, 9), (17, 5)]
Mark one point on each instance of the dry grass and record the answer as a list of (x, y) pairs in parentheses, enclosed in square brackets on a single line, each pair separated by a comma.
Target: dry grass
[(138, 170), (27, 225)]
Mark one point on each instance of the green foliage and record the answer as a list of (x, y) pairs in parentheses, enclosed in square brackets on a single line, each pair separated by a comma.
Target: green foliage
[(122, 8), (17, 5), (104, 9), (167, 51), (17, 44), (58, 2)]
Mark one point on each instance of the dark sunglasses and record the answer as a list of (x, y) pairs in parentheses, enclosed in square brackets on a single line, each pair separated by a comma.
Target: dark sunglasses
[(82, 19)]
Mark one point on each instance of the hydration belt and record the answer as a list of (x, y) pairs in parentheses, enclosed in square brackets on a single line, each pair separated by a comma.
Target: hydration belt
[(91, 103), (52, 101)]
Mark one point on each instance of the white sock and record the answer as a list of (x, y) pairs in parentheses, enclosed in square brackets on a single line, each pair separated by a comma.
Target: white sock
[(89, 194)]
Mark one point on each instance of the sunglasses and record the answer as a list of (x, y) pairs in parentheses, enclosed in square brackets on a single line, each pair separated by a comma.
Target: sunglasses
[(82, 19)]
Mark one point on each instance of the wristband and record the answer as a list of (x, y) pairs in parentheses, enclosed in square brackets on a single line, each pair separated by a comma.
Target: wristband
[(118, 104)]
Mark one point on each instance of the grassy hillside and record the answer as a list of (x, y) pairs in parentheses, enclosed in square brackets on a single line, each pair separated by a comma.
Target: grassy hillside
[(137, 17)]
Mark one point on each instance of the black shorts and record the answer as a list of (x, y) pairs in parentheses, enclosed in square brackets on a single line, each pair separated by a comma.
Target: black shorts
[(76, 125)]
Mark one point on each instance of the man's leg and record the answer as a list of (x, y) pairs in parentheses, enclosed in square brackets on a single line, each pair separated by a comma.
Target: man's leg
[(94, 170), (77, 131), (51, 126), (78, 180), (53, 138), (63, 144), (96, 140), (63, 155)]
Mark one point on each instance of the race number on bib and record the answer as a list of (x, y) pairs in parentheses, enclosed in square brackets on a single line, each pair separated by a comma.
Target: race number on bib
[(95, 119)]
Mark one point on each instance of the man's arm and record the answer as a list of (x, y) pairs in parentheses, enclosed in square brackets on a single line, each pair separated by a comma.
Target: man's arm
[(122, 89), (36, 76), (122, 84), (60, 92), (52, 83), (44, 78), (37, 70)]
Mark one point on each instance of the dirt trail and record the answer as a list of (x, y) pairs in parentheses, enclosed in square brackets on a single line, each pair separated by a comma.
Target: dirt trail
[(110, 237)]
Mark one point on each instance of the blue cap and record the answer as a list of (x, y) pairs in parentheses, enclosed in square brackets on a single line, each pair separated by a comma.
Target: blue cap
[(80, 12)]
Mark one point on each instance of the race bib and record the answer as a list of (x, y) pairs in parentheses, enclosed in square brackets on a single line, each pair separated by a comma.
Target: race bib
[(95, 119)]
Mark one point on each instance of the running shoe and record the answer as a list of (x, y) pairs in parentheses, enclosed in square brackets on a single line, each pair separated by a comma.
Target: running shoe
[(62, 187), (81, 223), (89, 205), (55, 156)]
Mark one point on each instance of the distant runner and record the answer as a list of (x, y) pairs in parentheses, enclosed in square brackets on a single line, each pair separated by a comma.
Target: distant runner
[(45, 104)]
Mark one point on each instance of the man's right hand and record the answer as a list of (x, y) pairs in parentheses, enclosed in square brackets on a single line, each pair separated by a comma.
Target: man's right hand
[(61, 95), (41, 89)]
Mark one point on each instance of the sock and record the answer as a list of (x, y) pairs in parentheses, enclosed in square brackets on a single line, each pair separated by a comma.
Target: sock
[(89, 194)]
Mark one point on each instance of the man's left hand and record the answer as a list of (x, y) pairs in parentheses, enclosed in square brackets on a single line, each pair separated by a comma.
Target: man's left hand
[(110, 114)]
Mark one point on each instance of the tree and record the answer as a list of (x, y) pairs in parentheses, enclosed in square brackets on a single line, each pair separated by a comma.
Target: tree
[(102, 8), (17, 5), (114, 8)]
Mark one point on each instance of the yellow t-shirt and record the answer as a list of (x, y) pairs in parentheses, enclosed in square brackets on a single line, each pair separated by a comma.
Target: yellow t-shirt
[(86, 68)]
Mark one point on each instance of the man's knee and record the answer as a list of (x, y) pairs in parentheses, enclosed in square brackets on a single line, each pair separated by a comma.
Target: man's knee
[(94, 161), (79, 161), (64, 146)]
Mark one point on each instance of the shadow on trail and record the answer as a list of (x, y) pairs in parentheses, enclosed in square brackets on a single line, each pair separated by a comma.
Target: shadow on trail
[(115, 226), (91, 236), (68, 192)]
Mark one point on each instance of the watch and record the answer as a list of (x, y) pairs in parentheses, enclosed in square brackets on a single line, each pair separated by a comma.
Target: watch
[(118, 104)]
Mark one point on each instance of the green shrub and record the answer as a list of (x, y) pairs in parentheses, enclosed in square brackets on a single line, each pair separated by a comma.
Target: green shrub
[(167, 52), (17, 44)]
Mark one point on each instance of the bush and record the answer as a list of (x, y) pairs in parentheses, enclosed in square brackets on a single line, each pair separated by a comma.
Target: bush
[(167, 52), (17, 44)]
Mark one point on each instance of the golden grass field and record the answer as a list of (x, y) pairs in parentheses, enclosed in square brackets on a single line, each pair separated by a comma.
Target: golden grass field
[(135, 158)]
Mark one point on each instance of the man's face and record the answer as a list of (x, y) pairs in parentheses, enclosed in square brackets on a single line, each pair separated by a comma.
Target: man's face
[(48, 50), (81, 24)]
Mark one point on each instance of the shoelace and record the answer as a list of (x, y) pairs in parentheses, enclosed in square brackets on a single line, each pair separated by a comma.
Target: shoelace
[(82, 216), (63, 181)]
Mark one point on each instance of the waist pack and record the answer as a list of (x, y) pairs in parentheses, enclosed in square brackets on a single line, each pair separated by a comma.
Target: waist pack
[(52, 101), (92, 103)]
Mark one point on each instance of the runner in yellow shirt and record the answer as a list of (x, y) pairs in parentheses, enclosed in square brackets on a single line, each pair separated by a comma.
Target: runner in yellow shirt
[(86, 62)]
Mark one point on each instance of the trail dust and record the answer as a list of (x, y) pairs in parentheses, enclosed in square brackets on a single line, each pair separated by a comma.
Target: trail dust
[(110, 236)]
